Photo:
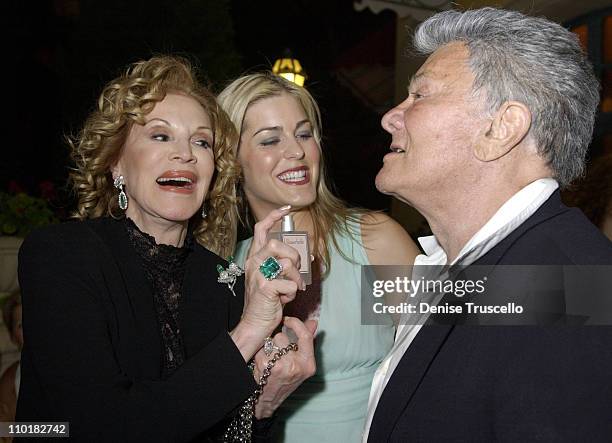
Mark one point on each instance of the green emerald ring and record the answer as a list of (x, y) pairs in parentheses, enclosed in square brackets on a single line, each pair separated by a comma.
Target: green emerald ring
[(270, 268)]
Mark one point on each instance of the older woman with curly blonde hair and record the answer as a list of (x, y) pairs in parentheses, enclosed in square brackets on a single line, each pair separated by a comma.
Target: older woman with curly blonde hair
[(135, 329)]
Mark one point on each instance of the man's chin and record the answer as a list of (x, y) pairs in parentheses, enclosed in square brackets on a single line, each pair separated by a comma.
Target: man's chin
[(382, 185)]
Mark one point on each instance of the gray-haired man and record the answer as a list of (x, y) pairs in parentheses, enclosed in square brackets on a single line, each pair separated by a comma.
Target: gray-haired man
[(498, 116)]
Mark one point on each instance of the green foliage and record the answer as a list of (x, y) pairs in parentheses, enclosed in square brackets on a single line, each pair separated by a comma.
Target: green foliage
[(21, 213)]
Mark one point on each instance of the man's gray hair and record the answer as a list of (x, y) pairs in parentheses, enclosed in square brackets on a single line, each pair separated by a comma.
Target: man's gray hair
[(531, 60)]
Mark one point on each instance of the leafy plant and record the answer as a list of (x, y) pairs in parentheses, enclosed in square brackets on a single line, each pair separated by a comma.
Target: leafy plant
[(20, 213)]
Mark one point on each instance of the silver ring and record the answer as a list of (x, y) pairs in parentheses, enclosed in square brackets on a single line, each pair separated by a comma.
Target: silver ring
[(269, 347)]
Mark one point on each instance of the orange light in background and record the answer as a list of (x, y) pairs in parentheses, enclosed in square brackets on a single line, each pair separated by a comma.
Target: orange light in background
[(606, 91), (583, 35), (607, 39)]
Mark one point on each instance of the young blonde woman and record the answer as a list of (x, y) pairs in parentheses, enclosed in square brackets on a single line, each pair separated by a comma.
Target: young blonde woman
[(279, 152)]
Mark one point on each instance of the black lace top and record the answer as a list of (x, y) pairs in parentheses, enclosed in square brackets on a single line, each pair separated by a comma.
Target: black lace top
[(164, 266)]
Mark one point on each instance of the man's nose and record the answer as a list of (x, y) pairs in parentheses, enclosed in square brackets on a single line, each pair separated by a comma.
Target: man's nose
[(393, 119)]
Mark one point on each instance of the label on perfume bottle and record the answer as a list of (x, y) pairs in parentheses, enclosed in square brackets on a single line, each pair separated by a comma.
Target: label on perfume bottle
[(299, 242)]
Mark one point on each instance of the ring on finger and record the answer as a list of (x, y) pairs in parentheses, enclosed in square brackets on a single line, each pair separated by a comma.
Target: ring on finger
[(269, 346), (270, 268)]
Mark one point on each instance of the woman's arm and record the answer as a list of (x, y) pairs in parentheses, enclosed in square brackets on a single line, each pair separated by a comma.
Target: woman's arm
[(264, 299), (70, 368), (296, 366)]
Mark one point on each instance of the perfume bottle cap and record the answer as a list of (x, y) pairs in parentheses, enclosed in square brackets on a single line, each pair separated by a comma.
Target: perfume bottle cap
[(287, 224)]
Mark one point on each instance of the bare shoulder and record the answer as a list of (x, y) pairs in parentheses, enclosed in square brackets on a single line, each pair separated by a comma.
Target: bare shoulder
[(377, 227), (386, 242)]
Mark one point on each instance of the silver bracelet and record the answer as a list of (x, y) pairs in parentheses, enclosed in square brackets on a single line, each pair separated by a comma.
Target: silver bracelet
[(241, 426)]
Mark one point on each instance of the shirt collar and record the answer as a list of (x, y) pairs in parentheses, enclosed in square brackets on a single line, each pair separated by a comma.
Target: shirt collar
[(510, 216)]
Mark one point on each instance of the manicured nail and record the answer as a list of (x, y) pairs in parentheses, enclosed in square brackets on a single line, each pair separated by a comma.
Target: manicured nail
[(285, 208)]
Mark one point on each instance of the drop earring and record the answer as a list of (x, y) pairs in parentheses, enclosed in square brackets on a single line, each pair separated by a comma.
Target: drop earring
[(122, 199), (204, 214)]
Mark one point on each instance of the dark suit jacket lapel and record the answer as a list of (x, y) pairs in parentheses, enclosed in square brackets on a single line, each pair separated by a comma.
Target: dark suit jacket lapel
[(551, 208), (406, 379), (134, 300)]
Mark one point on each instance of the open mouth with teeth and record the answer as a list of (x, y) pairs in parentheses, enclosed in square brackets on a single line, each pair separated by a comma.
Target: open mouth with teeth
[(298, 176), (397, 150), (180, 182), (177, 182)]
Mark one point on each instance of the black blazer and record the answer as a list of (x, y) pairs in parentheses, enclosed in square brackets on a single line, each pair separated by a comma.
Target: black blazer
[(509, 383), (92, 353)]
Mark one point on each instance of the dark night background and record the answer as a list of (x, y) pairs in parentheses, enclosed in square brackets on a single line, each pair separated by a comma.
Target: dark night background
[(64, 51)]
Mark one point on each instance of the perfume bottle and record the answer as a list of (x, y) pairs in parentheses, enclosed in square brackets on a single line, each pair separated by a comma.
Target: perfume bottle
[(298, 240)]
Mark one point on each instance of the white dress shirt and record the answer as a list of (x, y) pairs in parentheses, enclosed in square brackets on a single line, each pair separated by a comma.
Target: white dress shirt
[(511, 215)]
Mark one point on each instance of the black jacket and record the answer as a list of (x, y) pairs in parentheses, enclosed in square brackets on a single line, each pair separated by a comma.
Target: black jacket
[(92, 353), (509, 383)]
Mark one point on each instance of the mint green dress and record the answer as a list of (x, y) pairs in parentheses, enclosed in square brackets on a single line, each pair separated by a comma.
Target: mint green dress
[(331, 405)]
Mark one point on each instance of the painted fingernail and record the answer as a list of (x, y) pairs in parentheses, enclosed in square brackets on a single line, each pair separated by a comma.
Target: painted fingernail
[(285, 208)]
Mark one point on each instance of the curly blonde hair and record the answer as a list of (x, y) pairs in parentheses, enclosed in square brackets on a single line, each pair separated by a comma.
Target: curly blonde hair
[(126, 101), (330, 215)]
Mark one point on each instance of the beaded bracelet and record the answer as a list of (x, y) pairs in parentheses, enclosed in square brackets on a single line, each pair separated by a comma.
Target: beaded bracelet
[(241, 427)]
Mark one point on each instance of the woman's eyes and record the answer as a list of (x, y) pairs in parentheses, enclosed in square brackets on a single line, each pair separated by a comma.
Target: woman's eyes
[(270, 142), (160, 137), (203, 143), (275, 141)]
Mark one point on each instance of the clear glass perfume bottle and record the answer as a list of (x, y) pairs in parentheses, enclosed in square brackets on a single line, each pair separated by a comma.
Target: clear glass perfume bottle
[(298, 240)]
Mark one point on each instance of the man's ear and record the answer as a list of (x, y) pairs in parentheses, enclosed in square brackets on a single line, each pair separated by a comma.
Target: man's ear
[(507, 129)]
